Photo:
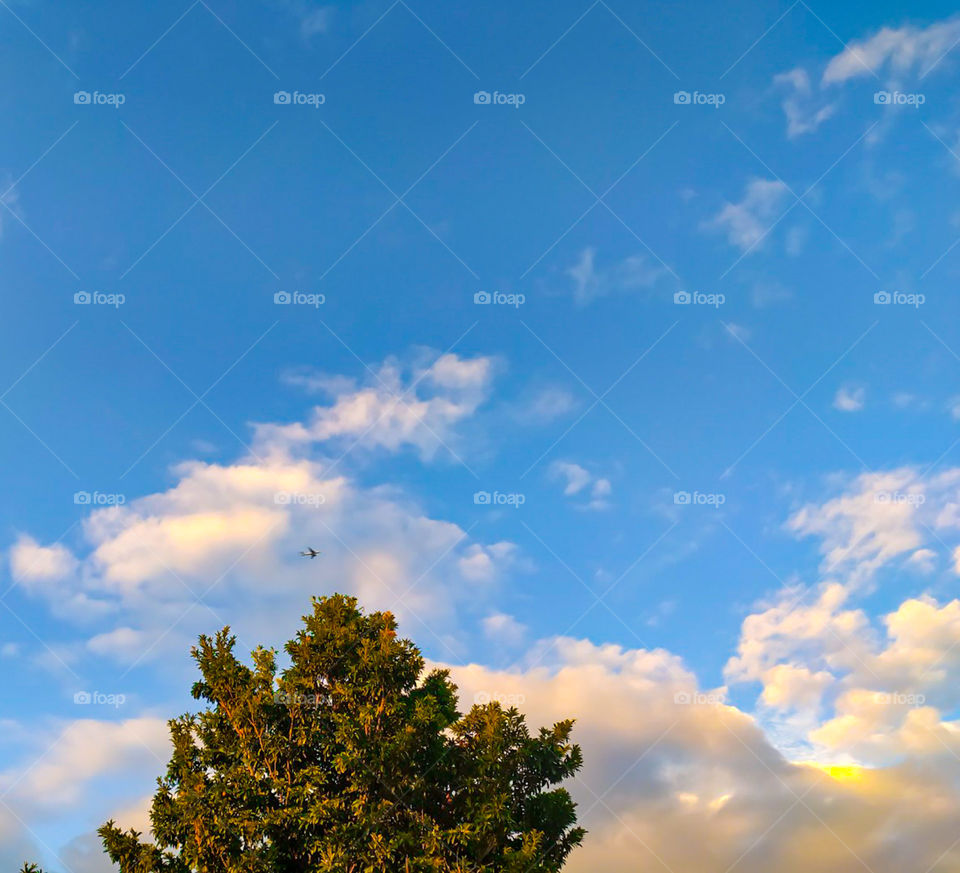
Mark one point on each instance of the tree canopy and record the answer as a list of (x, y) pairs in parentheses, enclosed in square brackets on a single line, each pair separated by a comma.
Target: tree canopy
[(352, 758)]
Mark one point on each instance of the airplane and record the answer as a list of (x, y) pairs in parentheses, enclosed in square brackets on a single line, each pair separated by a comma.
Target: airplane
[(311, 553)]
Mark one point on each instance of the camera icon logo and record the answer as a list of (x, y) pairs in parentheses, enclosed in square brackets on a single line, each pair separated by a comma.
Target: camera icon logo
[(82, 697), (481, 98), (282, 297), (281, 98), (481, 698), (682, 297), (482, 297), (681, 98), (681, 498), (882, 297), (82, 498), (81, 98), (682, 697), (881, 97), (82, 297), (482, 498)]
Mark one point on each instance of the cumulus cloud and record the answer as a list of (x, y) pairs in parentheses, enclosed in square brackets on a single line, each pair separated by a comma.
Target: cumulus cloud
[(666, 759), (229, 532), (398, 406), (887, 687), (147, 575), (503, 628), (32, 563), (878, 518), (746, 223), (591, 282), (849, 755)]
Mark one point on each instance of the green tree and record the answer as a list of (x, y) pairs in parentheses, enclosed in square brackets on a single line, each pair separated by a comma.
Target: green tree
[(351, 759)]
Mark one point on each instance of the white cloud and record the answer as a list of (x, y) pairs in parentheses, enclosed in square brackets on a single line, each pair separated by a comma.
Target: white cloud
[(631, 274), (416, 406), (885, 687), (577, 478), (787, 686), (123, 643), (480, 563), (30, 562), (877, 519), (896, 56), (503, 628), (544, 405), (849, 399), (231, 534), (81, 752), (804, 111), (923, 560), (885, 690), (580, 481), (898, 52), (746, 223), (146, 576)]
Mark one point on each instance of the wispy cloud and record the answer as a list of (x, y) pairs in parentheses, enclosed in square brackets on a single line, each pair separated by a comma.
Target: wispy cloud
[(746, 222), (591, 282), (805, 110), (578, 482), (895, 52), (850, 398)]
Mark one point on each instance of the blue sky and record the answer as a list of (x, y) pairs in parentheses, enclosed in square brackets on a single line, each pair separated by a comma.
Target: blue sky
[(681, 250)]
